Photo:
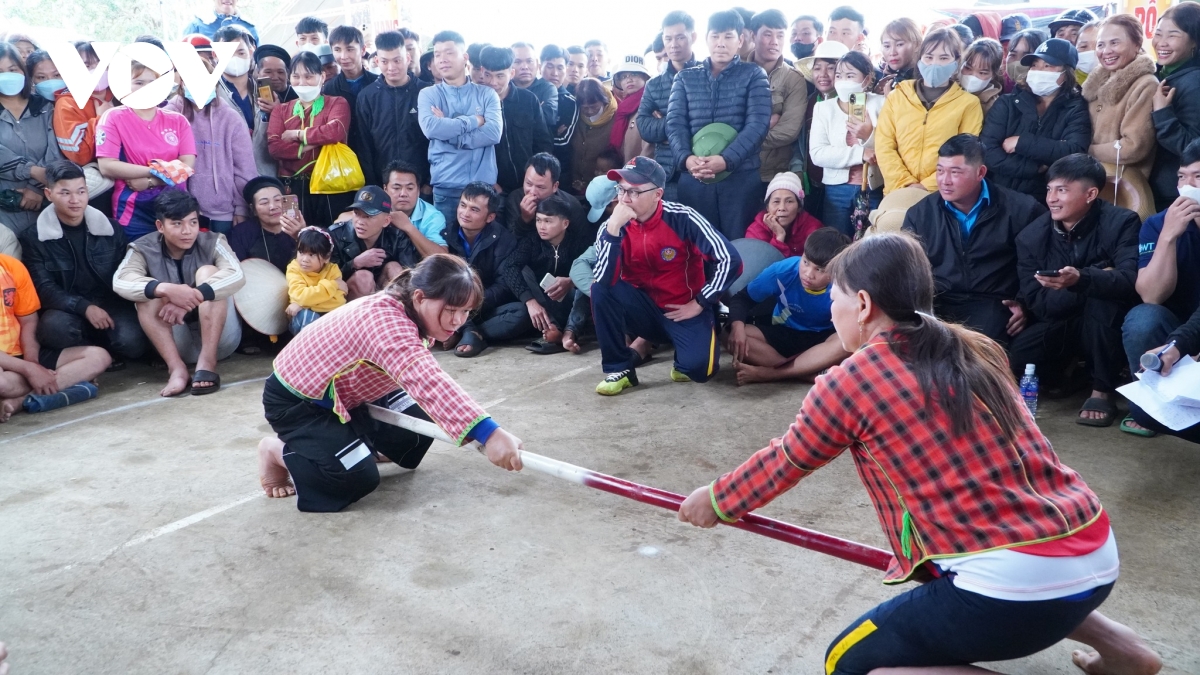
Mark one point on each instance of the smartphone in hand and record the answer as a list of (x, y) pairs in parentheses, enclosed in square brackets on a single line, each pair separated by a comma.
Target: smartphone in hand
[(291, 205), (1048, 273), (546, 282), (264, 89)]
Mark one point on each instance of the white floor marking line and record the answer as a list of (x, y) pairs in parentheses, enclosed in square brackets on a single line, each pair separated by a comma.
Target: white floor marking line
[(177, 525), (556, 378), (208, 513), (123, 408)]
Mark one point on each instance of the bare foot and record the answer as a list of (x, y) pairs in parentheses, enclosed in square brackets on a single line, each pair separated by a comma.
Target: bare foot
[(1119, 649), (381, 458), (272, 472), (1095, 414), (748, 374), (177, 383), (10, 407), (552, 335), (570, 343), (642, 346)]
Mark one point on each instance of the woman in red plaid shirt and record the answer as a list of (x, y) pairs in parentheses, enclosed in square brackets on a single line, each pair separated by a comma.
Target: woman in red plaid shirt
[(372, 351), (967, 489)]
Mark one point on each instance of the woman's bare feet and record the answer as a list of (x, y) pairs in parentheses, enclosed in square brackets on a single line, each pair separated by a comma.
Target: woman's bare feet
[(570, 343), (177, 383), (10, 407), (1119, 650), (272, 472)]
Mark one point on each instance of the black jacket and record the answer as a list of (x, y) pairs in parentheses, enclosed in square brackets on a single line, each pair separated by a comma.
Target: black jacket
[(525, 135), (654, 129), (1065, 129), (1187, 336), (1175, 125), (517, 224), (347, 246), (739, 96), (547, 96), (542, 259), (51, 263), (490, 257), (986, 265), (1106, 238), (568, 121), (340, 86), (386, 118)]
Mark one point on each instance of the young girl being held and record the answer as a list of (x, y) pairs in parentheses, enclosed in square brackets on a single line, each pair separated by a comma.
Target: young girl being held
[(315, 285)]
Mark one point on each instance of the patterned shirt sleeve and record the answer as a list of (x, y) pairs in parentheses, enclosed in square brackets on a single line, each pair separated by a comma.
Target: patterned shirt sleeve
[(416, 370), (826, 425)]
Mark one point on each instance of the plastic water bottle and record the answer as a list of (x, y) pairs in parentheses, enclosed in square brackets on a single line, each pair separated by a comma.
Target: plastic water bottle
[(1029, 389)]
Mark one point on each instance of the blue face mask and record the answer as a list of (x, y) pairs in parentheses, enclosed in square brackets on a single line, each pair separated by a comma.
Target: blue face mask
[(11, 84), (48, 88), (934, 75), (211, 96)]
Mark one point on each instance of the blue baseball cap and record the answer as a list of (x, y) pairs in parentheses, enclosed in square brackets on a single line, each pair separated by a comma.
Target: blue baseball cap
[(600, 193)]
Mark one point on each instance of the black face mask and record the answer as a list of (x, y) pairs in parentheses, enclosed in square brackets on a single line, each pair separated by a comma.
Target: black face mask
[(801, 50)]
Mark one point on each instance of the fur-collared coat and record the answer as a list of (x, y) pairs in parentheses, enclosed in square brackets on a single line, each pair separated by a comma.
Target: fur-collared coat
[(1120, 103)]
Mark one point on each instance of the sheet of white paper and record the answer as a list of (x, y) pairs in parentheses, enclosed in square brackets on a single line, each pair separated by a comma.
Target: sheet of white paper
[(1173, 416), (1181, 387)]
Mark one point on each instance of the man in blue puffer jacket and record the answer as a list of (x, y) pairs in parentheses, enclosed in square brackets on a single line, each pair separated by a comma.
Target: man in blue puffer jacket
[(721, 89), (463, 123)]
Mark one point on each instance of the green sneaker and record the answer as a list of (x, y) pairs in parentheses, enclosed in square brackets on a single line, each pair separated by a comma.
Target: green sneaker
[(617, 382), (677, 376)]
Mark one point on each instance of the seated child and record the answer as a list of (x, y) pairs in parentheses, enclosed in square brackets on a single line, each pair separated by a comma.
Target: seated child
[(798, 341), (315, 284), (548, 252), (783, 222)]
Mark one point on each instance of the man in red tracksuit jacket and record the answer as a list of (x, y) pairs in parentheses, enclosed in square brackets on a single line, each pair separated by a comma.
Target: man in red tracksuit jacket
[(660, 270)]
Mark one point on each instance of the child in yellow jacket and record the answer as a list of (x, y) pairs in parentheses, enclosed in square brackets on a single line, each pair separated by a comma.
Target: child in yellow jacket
[(315, 285)]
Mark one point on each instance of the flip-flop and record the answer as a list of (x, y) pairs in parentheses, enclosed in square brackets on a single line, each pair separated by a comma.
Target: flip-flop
[(474, 342), (205, 376), (541, 346), (1143, 432), (1098, 405)]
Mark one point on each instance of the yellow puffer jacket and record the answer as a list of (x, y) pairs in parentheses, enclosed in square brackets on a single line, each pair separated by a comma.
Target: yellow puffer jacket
[(908, 136), (317, 291)]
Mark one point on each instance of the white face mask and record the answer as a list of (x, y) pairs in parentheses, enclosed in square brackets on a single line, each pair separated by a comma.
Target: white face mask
[(1042, 82), (1190, 192), (1087, 61), (307, 94), (237, 66), (846, 87), (973, 85)]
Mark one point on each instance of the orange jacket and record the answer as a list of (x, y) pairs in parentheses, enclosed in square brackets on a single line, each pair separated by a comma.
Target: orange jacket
[(75, 127)]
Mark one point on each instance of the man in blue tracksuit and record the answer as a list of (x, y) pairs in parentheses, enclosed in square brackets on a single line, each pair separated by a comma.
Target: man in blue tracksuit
[(721, 89), (463, 123)]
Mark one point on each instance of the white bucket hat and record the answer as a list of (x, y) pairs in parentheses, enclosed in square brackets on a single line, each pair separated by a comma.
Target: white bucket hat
[(632, 63)]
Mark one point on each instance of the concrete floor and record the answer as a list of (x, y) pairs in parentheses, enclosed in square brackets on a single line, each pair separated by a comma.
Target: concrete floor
[(134, 539)]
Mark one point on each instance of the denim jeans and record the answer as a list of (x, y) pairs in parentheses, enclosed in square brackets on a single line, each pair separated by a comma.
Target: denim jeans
[(446, 201), (1146, 327), (302, 319), (839, 204)]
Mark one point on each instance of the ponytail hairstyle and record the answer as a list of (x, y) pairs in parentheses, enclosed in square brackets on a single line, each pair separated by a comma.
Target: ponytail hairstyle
[(439, 277), (954, 365)]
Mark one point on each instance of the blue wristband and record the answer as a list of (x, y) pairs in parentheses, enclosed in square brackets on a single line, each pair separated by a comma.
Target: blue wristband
[(483, 430)]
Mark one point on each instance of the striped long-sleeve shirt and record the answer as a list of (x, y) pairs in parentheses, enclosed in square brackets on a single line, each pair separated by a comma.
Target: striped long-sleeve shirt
[(675, 256)]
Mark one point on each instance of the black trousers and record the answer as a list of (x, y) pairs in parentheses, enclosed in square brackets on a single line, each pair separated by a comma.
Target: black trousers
[(1191, 433), (1052, 345), (125, 340), (986, 315), (330, 461)]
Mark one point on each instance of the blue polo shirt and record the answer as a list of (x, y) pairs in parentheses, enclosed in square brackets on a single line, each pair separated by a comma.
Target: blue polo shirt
[(966, 221), (1186, 297), (429, 221)]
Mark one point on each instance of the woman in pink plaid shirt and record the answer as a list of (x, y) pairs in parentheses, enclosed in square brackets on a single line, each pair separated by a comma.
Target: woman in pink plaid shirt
[(372, 351), (970, 494)]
